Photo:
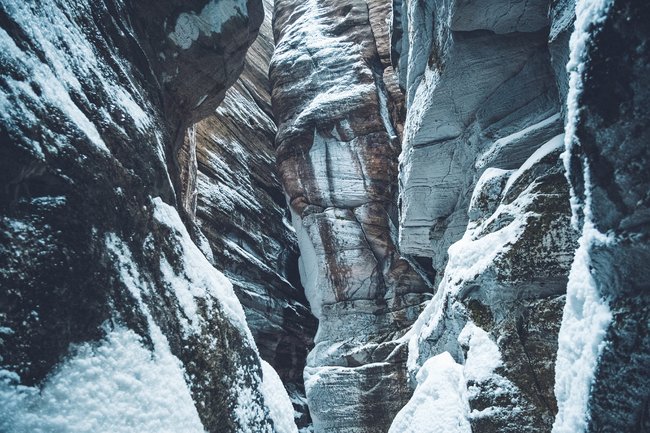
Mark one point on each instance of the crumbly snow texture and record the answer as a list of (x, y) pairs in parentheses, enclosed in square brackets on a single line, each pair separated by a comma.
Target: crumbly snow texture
[(116, 385), (277, 400), (586, 316), (483, 356), (439, 403)]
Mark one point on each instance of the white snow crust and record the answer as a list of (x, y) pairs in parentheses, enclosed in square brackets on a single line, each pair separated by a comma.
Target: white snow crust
[(200, 279), (277, 400), (213, 15), (586, 316), (439, 403), (116, 386), (483, 356)]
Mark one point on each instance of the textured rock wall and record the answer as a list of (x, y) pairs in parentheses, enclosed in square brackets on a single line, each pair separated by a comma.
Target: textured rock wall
[(103, 292), (480, 93), (484, 195), (338, 122), (604, 354), (242, 210)]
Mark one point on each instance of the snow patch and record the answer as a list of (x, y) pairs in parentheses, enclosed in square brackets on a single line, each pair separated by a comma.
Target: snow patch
[(483, 356), (212, 17), (116, 386), (277, 400), (439, 403)]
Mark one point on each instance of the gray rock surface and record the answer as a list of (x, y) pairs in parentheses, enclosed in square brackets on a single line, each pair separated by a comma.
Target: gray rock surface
[(110, 314), (475, 80), (337, 147)]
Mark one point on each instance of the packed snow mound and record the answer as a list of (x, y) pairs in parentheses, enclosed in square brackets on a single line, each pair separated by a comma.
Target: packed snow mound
[(277, 400), (439, 403), (113, 386)]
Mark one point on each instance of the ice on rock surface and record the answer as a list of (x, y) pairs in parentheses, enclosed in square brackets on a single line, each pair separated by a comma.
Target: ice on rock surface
[(212, 17), (586, 316)]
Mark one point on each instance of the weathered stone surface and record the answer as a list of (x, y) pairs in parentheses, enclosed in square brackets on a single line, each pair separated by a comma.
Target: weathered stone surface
[(604, 334), (501, 295), (475, 80), (243, 213), (97, 269), (337, 147)]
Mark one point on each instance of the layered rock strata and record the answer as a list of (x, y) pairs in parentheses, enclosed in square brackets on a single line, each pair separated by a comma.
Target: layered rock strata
[(337, 107), (242, 211), (111, 317)]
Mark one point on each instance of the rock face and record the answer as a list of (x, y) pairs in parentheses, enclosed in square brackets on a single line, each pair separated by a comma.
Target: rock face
[(500, 302), (484, 195), (604, 353), (110, 315), (241, 208), (480, 93), (370, 153), (337, 148)]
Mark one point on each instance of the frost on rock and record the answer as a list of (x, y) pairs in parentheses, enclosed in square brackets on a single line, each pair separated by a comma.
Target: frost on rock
[(586, 315)]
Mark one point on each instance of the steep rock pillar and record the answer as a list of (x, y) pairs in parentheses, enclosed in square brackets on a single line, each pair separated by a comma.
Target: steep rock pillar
[(337, 108)]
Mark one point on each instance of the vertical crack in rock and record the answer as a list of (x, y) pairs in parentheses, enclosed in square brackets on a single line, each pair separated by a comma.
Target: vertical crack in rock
[(240, 207)]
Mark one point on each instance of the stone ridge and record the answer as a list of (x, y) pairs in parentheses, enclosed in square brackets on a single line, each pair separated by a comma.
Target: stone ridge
[(95, 98), (337, 147)]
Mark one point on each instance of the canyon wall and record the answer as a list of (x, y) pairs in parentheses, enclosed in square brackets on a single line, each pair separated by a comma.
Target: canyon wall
[(242, 211), (474, 100), (337, 108), (111, 317), (401, 216), (484, 196)]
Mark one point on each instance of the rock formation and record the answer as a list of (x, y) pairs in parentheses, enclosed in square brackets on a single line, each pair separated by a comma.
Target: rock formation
[(455, 193), (337, 148), (111, 317), (241, 209)]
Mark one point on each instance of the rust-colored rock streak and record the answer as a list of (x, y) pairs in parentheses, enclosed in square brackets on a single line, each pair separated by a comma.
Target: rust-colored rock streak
[(338, 108)]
